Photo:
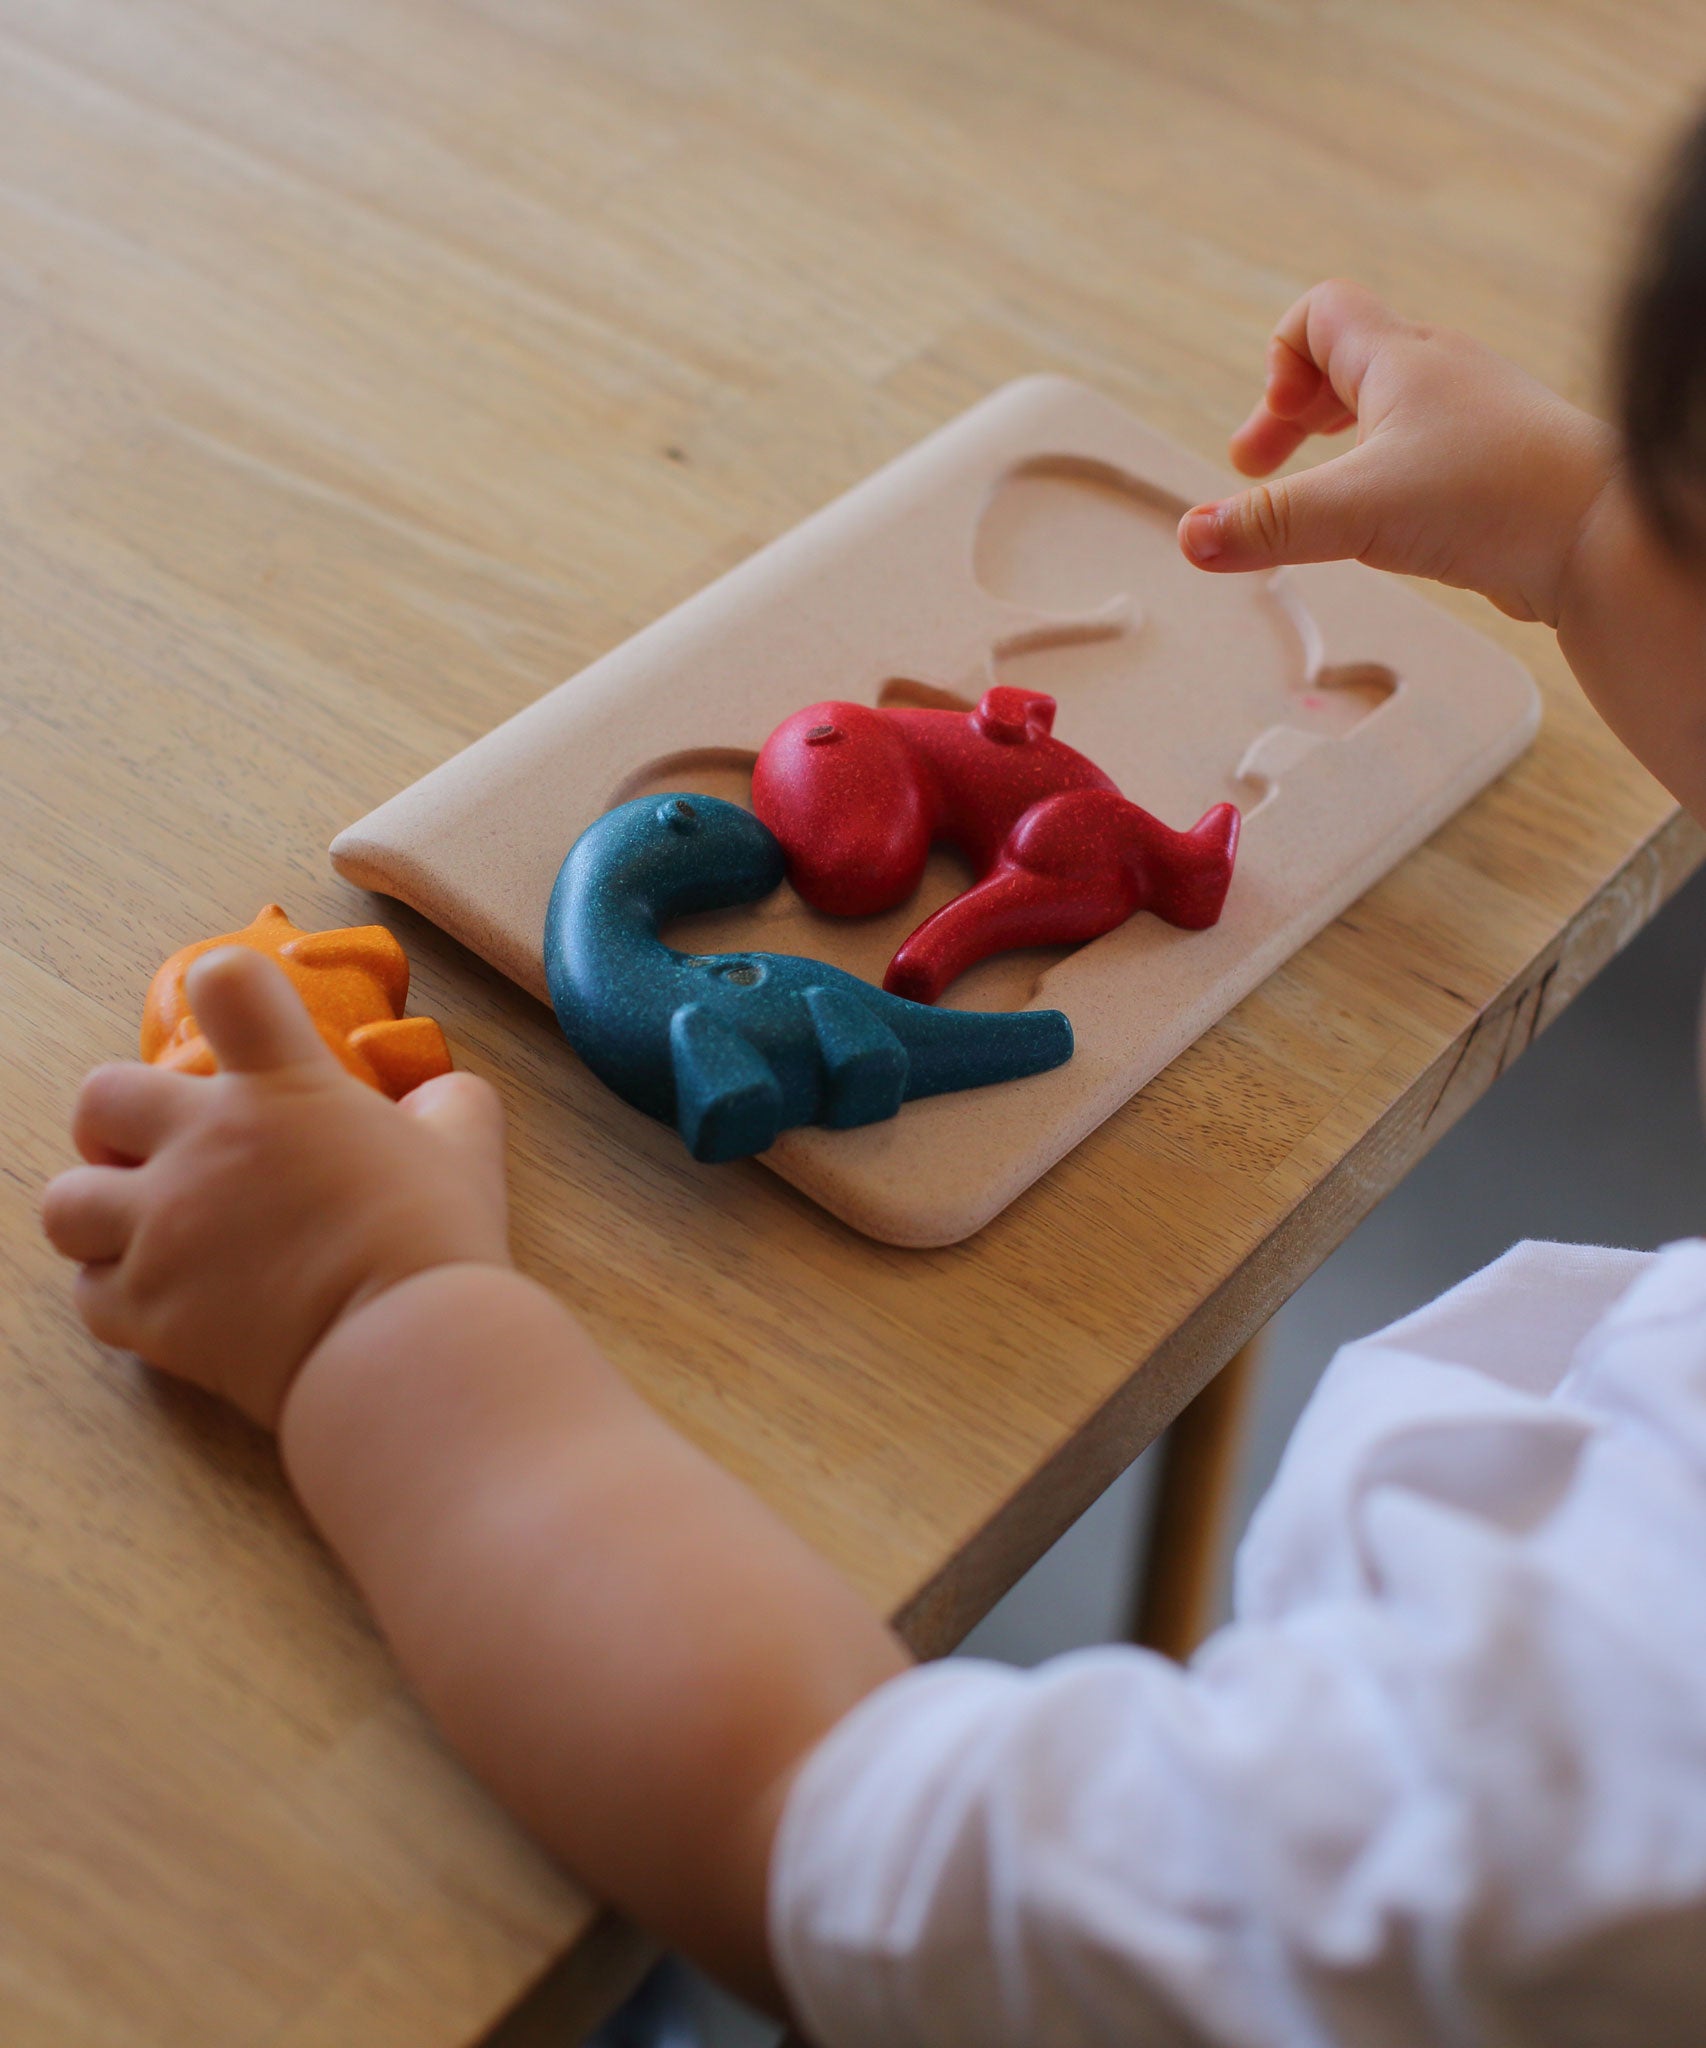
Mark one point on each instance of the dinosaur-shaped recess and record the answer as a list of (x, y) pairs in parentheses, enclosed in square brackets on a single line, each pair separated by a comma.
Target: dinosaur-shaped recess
[(354, 983), (857, 796), (735, 1048)]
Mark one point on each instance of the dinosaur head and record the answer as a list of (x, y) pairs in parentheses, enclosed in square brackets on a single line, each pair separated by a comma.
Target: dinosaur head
[(850, 802)]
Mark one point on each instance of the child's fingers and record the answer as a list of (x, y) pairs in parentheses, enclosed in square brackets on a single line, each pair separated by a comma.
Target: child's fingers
[(1285, 417), (466, 1111), (125, 1113), (251, 1015), (89, 1213), (1263, 442), (1337, 327), (104, 1305), (1327, 514), (1317, 360), (1295, 380)]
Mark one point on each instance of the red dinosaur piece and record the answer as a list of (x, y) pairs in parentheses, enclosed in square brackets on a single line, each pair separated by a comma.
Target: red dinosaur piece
[(857, 796)]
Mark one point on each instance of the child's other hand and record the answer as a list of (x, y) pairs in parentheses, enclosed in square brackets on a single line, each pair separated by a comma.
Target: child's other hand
[(1465, 470), (225, 1224)]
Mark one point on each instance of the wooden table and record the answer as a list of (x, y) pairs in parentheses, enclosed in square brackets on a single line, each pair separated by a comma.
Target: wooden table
[(368, 365)]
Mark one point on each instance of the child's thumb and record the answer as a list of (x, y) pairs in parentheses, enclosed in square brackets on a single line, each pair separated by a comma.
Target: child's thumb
[(1320, 515), (250, 1014)]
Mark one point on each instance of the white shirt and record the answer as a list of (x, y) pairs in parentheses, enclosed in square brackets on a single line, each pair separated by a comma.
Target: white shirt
[(1442, 1779)]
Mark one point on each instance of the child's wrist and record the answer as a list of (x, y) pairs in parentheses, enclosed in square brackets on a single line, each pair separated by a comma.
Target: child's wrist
[(382, 1321), (424, 1337)]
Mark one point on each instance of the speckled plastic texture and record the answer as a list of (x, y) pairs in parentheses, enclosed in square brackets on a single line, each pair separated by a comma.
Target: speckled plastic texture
[(353, 983), (735, 1048), (1030, 542), (859, 796)]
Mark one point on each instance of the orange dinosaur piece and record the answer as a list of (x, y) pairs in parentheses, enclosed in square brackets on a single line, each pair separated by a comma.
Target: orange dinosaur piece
[(354, 983)]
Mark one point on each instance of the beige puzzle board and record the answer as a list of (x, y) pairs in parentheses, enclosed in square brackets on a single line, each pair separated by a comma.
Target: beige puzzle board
[(1030, 541)]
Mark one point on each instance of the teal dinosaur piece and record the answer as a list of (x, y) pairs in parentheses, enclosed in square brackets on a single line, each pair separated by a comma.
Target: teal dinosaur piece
[(735, 1048)]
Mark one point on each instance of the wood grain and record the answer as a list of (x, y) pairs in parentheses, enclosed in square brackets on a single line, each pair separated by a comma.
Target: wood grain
[(366, 368)]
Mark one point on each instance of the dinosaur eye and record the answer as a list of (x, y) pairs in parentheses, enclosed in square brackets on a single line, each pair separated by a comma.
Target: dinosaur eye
[(679, 815), (822, 735), (743, 973)]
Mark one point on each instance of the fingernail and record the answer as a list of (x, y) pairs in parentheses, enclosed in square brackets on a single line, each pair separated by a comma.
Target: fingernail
[(1202, 533)]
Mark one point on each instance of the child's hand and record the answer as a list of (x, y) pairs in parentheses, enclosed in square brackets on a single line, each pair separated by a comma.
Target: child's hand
[(1465, 470), (226, 1224)]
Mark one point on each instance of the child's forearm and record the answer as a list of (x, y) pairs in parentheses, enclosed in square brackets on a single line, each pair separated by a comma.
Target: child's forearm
[(1632, 625), (620, 1639)]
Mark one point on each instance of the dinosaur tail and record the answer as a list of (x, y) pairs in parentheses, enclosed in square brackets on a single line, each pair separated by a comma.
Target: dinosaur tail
[(1190, 887), (949, 1049)]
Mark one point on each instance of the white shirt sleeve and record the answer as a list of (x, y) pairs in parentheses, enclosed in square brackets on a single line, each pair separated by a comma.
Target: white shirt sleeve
[(1443, 1779)]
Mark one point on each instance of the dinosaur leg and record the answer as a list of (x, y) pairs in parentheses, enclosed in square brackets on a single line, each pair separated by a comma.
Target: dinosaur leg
[(728, 1101), (864, 1063), (1073, 867), (1060, 879), (401, 1052), (1079, 835), (1190, 872), (1010, 907)]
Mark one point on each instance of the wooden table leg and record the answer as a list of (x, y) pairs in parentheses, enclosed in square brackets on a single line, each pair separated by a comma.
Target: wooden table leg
[(1178, 1572)]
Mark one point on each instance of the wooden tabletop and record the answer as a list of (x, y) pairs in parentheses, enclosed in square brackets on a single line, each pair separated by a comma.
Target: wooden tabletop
[(368, 365)]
